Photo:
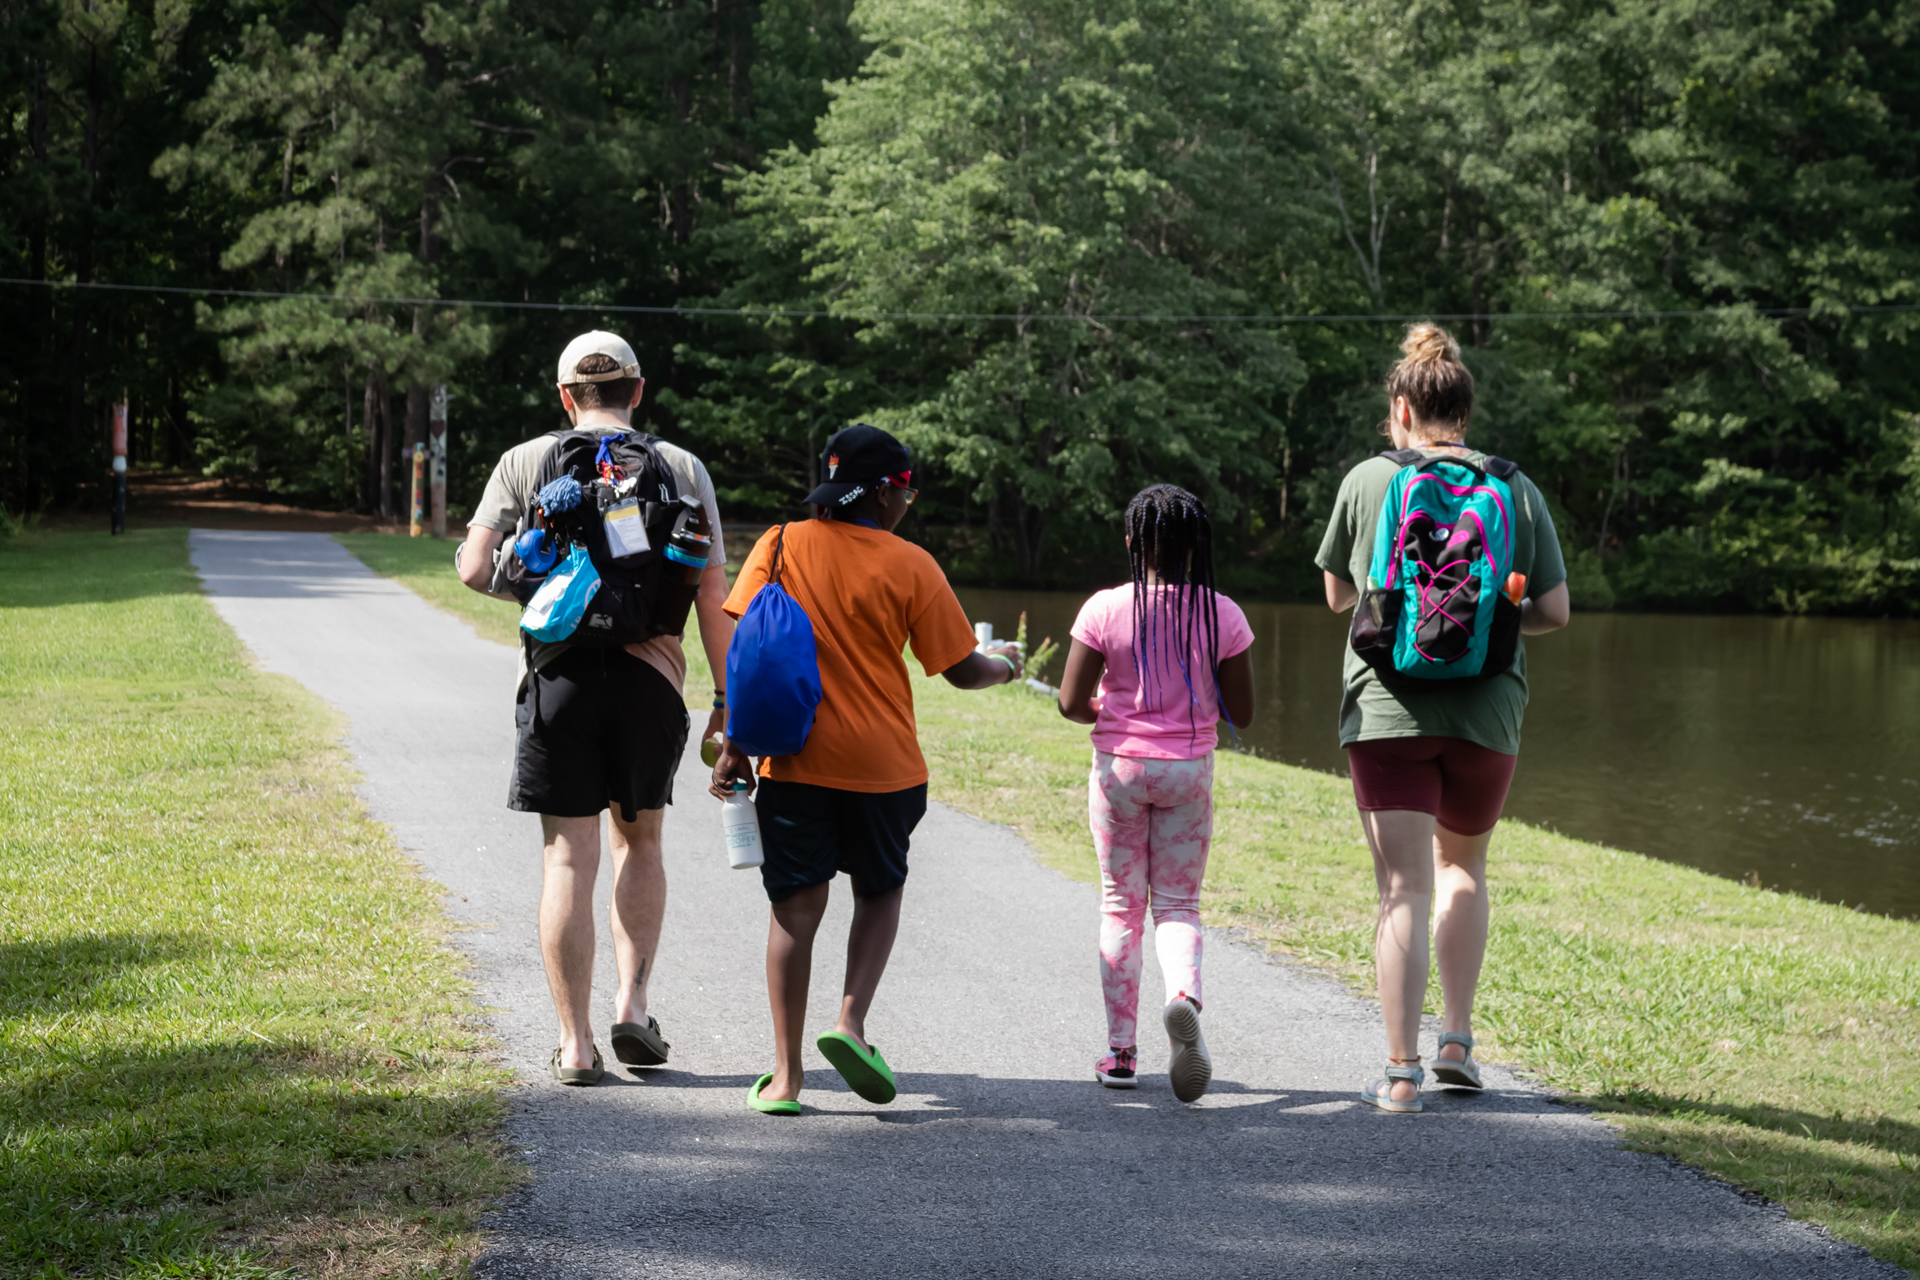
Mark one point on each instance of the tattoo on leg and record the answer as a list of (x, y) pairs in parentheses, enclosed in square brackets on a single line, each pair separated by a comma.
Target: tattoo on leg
[(640, 978)]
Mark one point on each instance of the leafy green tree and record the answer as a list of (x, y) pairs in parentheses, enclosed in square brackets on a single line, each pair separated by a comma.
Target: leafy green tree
[(1738, 155), (352, 211), (1070, 165)]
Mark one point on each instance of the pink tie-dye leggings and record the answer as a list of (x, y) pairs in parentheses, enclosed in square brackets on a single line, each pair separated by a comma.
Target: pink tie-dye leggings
[(1152, 822)]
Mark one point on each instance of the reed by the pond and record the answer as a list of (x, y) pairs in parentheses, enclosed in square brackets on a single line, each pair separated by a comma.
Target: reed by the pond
[(1767, 1039)]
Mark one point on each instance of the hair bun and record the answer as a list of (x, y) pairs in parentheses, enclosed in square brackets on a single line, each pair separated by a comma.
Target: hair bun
[(1428, 343)]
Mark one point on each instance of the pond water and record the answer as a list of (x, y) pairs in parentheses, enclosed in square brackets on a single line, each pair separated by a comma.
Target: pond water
[(1783, 748)]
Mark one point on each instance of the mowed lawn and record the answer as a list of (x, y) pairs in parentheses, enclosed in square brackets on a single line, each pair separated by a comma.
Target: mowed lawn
[(234, 1038), (1767, 1039)]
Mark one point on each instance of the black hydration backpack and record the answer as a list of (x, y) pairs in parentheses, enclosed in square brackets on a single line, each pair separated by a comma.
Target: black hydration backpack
[(641, 533)]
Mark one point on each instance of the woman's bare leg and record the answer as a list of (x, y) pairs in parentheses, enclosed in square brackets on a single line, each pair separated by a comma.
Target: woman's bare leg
[(1459, 925), (1402, 843)]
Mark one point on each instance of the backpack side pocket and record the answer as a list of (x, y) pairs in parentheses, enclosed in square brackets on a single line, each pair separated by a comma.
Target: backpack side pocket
[(1503, 636), (1376, 626)]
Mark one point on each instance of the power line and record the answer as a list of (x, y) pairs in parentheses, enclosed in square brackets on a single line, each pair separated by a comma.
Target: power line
[(770, 313)]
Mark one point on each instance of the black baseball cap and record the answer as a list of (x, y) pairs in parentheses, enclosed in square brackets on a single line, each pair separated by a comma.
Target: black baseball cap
[(859, 460)]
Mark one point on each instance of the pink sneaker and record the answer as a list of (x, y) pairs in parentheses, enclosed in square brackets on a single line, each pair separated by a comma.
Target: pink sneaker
[(1116, 1070)]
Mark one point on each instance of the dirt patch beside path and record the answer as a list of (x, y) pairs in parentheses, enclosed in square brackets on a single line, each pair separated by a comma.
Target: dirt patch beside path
[(160, 498)]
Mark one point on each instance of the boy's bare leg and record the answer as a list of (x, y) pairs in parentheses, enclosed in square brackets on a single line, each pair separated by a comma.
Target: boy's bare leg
[(790, 932), (571, 863), (639, 902), (876, 921)]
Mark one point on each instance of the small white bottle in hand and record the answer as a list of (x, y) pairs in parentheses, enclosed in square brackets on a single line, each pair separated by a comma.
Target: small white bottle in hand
[(740, 824)]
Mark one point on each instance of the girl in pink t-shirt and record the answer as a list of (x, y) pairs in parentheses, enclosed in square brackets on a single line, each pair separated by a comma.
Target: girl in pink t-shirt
[(1153, 666)]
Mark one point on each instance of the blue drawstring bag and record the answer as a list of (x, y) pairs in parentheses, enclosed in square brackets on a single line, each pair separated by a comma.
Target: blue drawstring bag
[(556, 608), (773, 671)]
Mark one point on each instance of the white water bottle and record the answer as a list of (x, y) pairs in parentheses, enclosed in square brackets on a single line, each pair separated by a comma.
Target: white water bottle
[(740, 824)]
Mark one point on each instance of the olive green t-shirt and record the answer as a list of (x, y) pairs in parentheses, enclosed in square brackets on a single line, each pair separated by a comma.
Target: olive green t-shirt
[(1484, 711)]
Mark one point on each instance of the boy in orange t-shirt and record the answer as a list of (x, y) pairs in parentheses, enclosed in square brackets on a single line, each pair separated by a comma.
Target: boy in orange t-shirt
[(851, 797)]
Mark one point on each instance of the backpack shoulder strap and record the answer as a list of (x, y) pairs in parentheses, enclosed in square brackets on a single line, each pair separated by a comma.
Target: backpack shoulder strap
[(779, 545), (1498, 468)]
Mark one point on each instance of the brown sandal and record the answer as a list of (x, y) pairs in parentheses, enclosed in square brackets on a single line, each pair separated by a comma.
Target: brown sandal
[(579, 1075)]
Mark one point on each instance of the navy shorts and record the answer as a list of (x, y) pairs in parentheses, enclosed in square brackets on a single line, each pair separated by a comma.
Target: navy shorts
[(596, 729), (809, 832)]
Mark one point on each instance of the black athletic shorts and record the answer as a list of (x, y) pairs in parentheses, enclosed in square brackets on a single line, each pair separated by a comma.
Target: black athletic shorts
[(809, 832), (597, 728)]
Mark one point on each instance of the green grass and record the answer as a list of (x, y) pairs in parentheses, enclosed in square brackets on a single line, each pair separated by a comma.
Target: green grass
[(234, 1038), (1764, 1038)]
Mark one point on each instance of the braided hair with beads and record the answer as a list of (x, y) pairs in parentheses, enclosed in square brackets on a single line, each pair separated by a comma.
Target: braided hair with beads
[(1176, 618)]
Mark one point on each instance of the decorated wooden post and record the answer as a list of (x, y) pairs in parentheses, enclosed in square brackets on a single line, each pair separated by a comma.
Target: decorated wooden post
[(119, 518), (437, 457), (419, 488)]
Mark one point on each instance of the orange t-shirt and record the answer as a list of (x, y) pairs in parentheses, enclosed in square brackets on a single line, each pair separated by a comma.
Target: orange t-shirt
[(868, 595)]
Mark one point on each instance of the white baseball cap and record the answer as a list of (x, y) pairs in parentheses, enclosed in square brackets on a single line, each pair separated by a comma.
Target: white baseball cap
[(597, 343)]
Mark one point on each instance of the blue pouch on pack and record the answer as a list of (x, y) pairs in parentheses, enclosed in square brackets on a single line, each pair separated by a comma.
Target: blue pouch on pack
[(773, 671), (556, 608)]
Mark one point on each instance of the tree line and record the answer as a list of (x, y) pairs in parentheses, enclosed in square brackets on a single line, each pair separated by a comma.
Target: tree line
[(1063, 247)]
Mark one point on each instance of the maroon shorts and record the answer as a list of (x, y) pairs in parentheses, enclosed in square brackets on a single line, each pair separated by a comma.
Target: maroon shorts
[(1462, 784)]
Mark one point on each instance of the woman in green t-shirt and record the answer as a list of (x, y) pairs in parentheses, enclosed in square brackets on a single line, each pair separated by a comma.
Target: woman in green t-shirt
[(1431, 767)]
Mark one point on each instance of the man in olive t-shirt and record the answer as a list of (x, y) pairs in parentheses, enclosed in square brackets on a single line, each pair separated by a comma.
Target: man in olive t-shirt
[(600, 729), (1484, 711)]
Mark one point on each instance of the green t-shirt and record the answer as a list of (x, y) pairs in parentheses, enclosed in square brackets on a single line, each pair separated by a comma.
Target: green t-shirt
[(1484, 711)]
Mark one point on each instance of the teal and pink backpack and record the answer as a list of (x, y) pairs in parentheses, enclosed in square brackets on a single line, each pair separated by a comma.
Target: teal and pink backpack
[(1434, 606)]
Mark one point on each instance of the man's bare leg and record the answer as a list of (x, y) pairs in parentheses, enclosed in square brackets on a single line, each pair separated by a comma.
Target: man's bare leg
[(876, 921), (790, 933), (572, 862), (639, 901)]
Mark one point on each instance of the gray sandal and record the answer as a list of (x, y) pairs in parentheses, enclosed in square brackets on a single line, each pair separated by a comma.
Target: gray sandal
[(1461, 1075), (1384, 1098)]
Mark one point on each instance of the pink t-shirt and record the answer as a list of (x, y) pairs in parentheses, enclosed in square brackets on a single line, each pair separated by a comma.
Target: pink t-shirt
[(1157, 719)]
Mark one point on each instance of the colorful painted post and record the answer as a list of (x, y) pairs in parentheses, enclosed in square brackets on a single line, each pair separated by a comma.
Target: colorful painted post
[(419, 488), (437, 457), (119, 518)]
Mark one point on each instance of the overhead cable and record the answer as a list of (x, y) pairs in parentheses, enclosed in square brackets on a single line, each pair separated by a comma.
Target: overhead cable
[(796, 313)]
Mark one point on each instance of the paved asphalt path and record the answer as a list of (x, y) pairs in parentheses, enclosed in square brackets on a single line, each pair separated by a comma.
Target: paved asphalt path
[(1001, 1156)]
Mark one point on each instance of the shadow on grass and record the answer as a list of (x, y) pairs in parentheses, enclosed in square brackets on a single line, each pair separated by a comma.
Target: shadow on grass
[(45, 569), (83, 971), (117, 1161), (1884, 1133), (1860, 1178)]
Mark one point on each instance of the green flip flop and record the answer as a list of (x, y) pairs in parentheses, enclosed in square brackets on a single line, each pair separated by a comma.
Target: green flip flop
[(771, 1106), (864, 1070)]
